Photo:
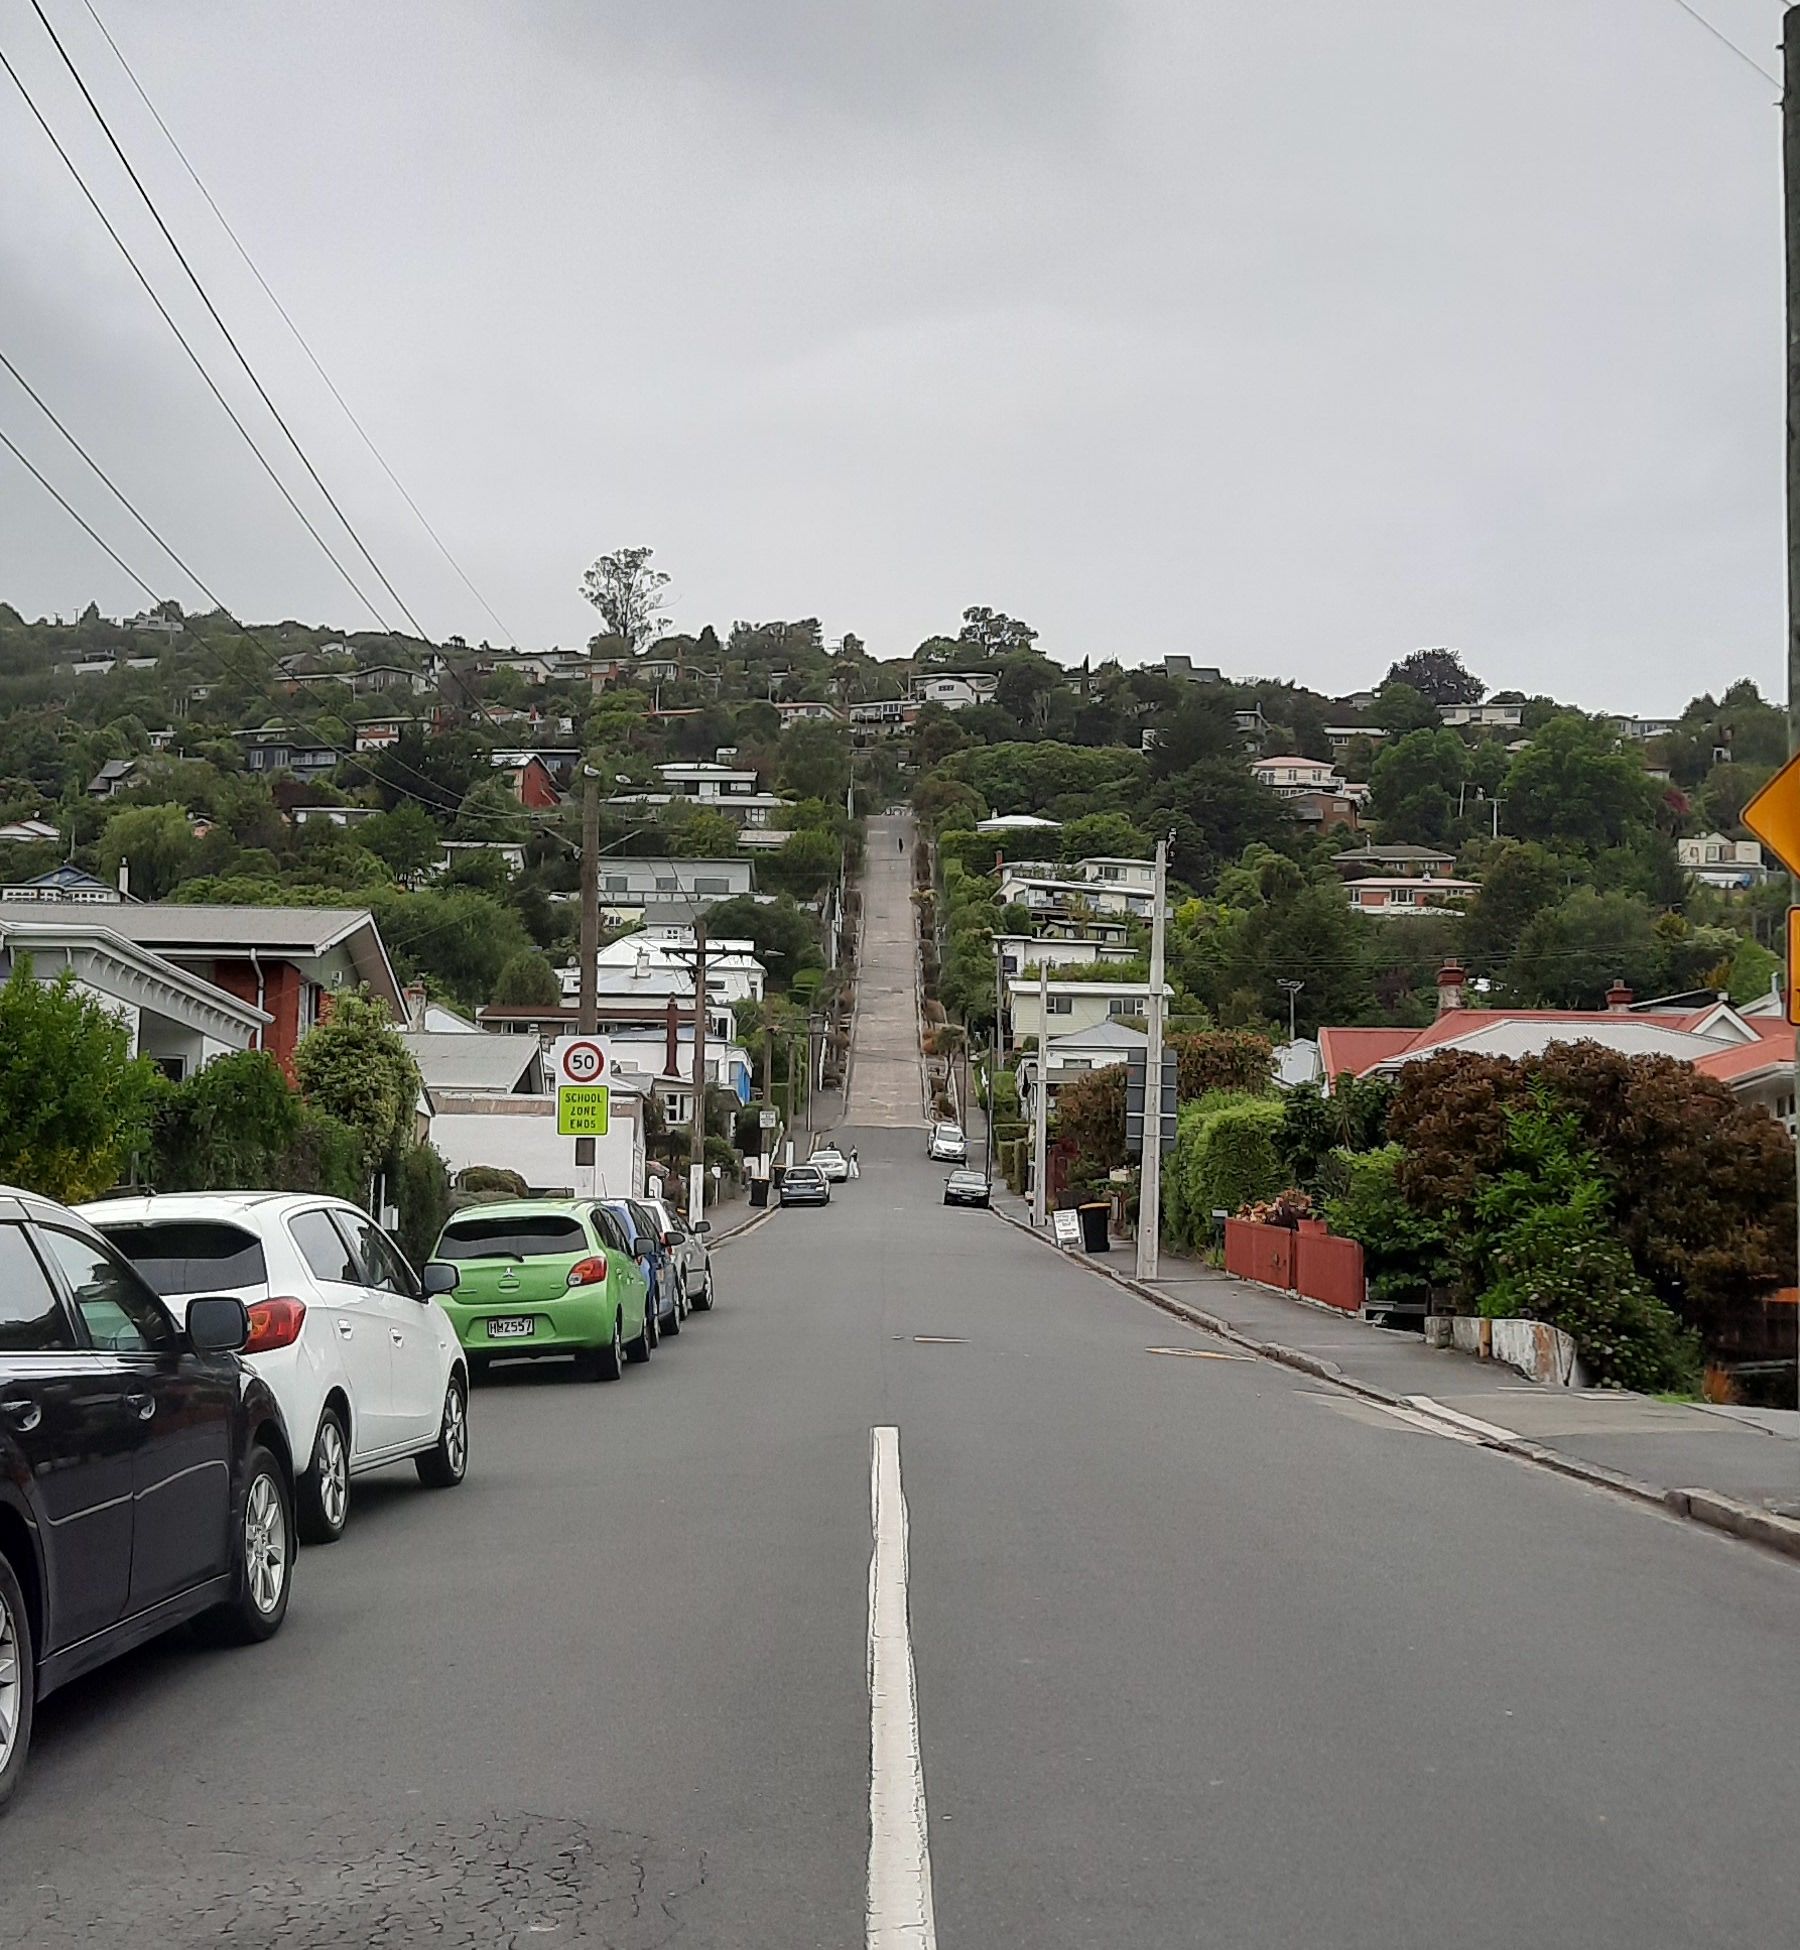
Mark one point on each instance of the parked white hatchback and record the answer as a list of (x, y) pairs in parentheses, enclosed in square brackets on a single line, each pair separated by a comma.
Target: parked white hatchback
[(363, 1362)]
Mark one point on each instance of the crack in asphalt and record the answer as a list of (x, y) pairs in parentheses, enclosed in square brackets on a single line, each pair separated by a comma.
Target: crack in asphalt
[(497, 1881)]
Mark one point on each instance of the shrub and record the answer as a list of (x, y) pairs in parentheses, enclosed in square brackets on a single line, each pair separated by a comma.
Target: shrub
[(1406, 1252), (1313, 1126), (491, 1181), (1226, 1158), (421, 1191)]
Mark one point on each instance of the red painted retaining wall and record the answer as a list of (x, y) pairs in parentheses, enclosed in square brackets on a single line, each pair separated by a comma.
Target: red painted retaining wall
[(1311, 1262), (1264, 1253), (1330, 1270)]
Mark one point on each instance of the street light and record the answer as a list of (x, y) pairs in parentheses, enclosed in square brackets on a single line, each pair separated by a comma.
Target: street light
[(1291, 989)]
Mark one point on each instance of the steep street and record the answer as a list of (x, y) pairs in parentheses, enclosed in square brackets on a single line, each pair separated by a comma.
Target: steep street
[(1206, 1651)]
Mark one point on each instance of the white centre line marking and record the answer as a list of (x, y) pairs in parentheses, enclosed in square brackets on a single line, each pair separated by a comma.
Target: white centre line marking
[(899, 1913)]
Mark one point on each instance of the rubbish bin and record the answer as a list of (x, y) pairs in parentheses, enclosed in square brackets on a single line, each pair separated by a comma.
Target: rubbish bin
[(1094, 1227), (759, 1191)]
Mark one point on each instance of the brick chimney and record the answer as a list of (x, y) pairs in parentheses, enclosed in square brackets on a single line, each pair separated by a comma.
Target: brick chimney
[(1618, 999), (414, 994), (1452, 987), (672, 1040)]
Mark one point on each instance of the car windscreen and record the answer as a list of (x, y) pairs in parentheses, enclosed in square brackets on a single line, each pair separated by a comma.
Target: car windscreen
[(805, 1174), (527, 1236), (191, 1256)]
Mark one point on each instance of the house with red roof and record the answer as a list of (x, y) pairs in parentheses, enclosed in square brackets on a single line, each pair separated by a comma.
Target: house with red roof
[(1750, 1050)]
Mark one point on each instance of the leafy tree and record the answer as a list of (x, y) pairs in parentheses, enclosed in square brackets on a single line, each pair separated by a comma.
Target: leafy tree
[(1439, 676), (1519, 880), (1406, 1252), (993, 634), (1413, 789), (1027, 684), (491, 814), (785, 938), (629, 595), (527, 980), (1399, 709), (1315, 1126), (156, 842), (1312, 938), (1105, 835), (1090, 1116), (456, 937), (815, 761), (355, 1068), (74, 1102), (1571, 954), (1574, 786), (1729, 789), (1201, 726), (1214, 810)]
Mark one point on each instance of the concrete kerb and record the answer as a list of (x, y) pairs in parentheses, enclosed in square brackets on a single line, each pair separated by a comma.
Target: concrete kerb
[(1706, 1507), (738, 1232)]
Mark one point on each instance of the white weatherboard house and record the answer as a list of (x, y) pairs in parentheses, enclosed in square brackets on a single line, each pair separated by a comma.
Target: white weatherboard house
[(178, 1019), (1075, 1007)]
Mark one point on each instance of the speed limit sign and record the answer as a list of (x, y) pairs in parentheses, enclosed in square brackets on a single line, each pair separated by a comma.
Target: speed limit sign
[(579, 1060)]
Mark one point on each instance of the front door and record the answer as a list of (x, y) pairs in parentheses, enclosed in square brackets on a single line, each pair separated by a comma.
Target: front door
[(181, 1403), (395, 1294), (63, 1415)]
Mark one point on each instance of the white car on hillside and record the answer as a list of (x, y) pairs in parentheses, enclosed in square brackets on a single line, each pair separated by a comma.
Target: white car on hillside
[(363, 1362)]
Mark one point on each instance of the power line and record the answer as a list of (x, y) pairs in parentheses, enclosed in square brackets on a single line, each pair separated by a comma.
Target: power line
[(287, 320), (193, 357), (433, 803), (225, 330), (1725, 40)]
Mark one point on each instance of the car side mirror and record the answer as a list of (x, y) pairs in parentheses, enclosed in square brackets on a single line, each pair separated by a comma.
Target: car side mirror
[(217, 1325), (439, 1276), (703, 1225)]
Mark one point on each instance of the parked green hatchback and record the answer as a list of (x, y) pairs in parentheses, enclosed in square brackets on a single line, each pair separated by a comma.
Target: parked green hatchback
[(546, 1276)]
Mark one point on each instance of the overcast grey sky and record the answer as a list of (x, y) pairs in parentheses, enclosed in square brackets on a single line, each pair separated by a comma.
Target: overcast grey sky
[(1292, 335)]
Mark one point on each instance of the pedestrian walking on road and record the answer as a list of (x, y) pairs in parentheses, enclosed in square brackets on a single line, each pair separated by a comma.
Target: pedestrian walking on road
[(855, 1165)]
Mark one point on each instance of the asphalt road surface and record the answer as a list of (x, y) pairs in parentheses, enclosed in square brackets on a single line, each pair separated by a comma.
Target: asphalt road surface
[(935, 1591), (1206, 1653)]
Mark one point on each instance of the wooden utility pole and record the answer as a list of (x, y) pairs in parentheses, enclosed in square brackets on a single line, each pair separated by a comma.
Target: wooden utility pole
[(587, 1014), (697, 1137), (1790, 171), (587, 1019)]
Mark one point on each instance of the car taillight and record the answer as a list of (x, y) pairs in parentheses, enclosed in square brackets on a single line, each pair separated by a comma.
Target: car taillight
[(588, 1272), (274, 1323)]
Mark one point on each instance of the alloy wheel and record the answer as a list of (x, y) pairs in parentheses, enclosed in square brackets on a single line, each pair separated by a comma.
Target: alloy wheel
[(9, 1681), (265, 1544), (333, 1465), (456, 1431)]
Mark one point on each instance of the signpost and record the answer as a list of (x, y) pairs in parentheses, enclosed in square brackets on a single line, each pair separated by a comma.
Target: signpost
[(583, 1100), (1067, 1227)]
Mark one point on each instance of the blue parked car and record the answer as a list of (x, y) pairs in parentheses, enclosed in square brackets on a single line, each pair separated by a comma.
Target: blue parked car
[(656, 1260)]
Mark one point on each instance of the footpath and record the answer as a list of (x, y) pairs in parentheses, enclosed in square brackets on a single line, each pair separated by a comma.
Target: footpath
[(1736, 1469)]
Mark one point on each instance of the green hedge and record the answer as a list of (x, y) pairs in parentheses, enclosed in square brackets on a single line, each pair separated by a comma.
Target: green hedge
[(1226, 1155)]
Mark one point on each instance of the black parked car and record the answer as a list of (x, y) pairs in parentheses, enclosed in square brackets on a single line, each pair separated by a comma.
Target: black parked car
[(145, 1477)]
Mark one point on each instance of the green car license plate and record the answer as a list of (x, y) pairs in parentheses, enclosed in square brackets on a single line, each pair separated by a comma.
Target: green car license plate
[(514, 1327)]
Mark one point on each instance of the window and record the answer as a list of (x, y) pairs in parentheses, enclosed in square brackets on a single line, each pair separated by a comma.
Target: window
[(123, 1316), (192, 1255), (377, 1256), (322, 1247), (612, 1233), (32, 1320), (711, 884), (1062, 1005), (618, 883), (1124, 1005), (520, 1238)]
